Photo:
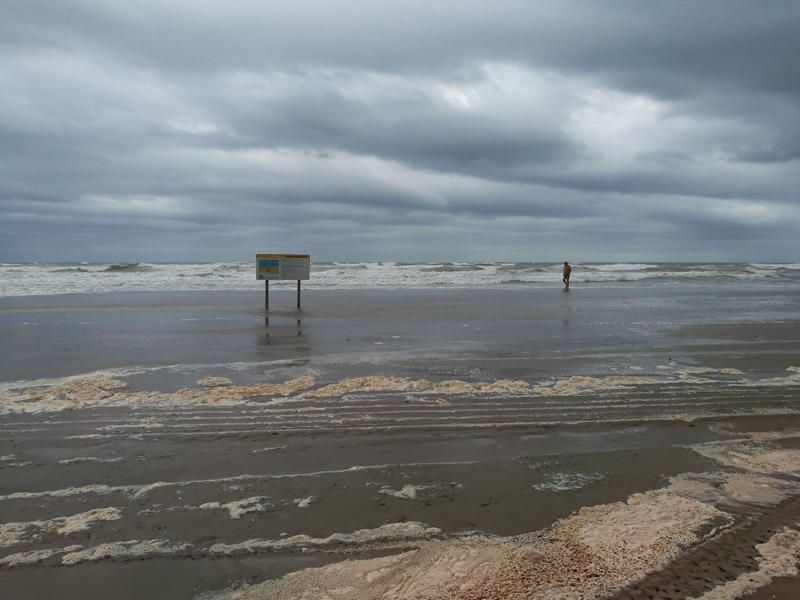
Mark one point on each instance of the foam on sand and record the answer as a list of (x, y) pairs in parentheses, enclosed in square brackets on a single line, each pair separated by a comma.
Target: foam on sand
[(392, 532), (734, 488), (237, 508), (306, 502), (501, 386), (373, 383), (752, 456), (787, 380), (268, 449), (581, 383), (81, 521), (567, 481), (22, 559), (768, 436), (214, 382), (762, 477), (22, 531), (778, 557), (582, 556), (407, 492), (571, 385), (129, 549), (101, 389), (382, 383), (8, 461), (87, 459), (731, 371), (70, 393), (93, 488)]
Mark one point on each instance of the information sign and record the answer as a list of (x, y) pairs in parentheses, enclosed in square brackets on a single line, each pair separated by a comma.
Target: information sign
[(283, 266)]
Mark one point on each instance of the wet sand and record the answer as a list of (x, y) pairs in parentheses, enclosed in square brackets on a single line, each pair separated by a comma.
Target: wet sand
[(533, 333), (781, 587), (221, 451)]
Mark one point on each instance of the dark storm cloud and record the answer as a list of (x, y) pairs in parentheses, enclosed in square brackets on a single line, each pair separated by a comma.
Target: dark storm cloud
[(722, 40), (197, 130)]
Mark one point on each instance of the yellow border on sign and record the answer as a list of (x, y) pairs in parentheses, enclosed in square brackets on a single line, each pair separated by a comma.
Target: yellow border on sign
[(283, 256)]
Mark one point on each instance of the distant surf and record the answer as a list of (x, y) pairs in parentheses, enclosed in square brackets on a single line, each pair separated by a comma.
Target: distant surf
[(21, 279)]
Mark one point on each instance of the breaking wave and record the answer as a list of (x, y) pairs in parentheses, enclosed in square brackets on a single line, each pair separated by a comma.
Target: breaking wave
[(18, 279), (126, 268)]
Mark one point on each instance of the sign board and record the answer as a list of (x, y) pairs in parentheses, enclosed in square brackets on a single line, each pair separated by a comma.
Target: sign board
[(283, 266)]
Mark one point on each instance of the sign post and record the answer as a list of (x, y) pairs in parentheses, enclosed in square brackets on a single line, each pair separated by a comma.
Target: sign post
[(282, 267)]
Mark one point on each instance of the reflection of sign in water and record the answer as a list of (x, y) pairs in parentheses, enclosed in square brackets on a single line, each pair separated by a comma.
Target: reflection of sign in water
[(283, 266)]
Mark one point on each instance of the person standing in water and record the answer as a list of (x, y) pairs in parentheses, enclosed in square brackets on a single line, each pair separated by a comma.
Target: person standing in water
[(567, 272)]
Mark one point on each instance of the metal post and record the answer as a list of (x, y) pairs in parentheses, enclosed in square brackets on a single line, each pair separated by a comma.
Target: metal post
[(266, 294), (298, 293)]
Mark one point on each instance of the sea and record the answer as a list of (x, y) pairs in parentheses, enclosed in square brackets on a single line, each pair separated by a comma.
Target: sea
[(35, 278)]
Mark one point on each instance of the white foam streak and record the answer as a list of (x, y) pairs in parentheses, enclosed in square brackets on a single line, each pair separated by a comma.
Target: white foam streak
[(392, 532), (237, 508), (129, 549), (138, 491), (20, 531)]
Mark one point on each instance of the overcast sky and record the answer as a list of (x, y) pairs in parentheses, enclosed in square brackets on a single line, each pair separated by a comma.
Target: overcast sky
[(199, 130)]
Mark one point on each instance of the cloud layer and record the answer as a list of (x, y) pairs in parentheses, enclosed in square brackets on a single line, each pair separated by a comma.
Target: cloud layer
[(412, 131)]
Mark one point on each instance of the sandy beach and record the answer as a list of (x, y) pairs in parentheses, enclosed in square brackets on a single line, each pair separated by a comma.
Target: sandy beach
[(520, 443)]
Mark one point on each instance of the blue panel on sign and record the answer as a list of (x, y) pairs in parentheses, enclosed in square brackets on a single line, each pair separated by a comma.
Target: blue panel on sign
[(267, 262)]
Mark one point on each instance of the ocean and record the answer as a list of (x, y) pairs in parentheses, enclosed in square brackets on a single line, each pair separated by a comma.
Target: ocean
[(23, 279)]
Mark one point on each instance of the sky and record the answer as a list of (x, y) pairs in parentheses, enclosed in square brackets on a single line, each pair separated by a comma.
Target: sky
[(194, 130)]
